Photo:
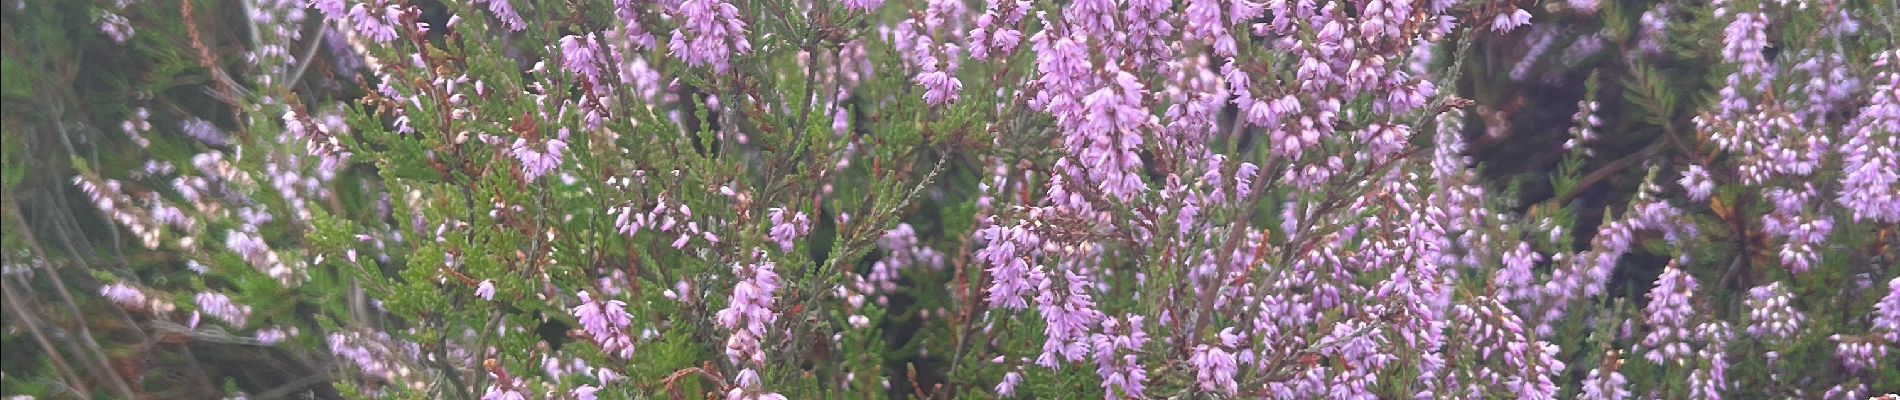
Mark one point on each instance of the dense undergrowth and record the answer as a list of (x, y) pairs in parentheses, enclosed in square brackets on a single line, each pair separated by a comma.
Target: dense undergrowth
[(510, 199)]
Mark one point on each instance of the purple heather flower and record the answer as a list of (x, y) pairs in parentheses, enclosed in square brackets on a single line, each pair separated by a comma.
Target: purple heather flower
[(1515, 280), (1710, 377), (1586, 122), (1208, 22), (376, 20), (1605, 386), (115, 27), (498, 392), (125, 295), (1695, 180), (787, 228), (862, 5), (374, 353), (1858, 353), (485, 290), (1510, 20), (219, 306), (536, 163), (1851, 391), (1116, 357), (1008, 254), (749, 312), (940, 86), (1104, 139), (1771, 312), (1068, 313), (710, 33), (1803, 234), (747, 387), (275, 335), (1007, 388), (1887, 313), (995, 30), (506, 13), (1495, 332), (1870, 157), (332, 9), (607, 323), (1214, 369), (1669, 314), (581, 56), (254, 251), (1743, 42)]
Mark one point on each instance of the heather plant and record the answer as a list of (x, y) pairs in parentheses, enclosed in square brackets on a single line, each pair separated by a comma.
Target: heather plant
[(510, 199)]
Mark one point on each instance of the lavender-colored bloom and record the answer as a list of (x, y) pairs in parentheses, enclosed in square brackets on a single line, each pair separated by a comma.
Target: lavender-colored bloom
[(1208, 22), (1008, 256), (376, 20), (747, 387), (485, 290), (1586, 123), (1214, 369), (1695, 180), (536, 163), (710, 33), (861, 5), (1068, 313), (1804, 234), (1887, 313), (1510, 20), (1104, 139), (1669, 315), (1007, 388), (749, 312), (607, 323), (1514, 281), (1116, 358), (1710, 377), (580, 56), (1771, 312), (125, 295), (1743, 43), (1858, 353), (332, 9), (787, 228), (1599, 385), (1655, 24), (941, 86), (275, 334), (252, 248), (115, 27), (376, 354), (219, 306), (506, 13), (498, 392), (995, 30), (1851, 391), (1870, 157)]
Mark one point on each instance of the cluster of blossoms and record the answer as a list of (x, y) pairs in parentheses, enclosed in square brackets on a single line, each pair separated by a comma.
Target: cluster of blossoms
[(749, 315), (709, 35), (220, 306), (1670, 317), (1216, 198), (606, 323), (1771, 312)]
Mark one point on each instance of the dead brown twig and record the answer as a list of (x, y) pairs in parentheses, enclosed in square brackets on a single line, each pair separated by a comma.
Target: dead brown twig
[(671, 381)]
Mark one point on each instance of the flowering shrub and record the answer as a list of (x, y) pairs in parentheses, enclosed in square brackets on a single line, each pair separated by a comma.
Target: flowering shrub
[(507, 199)]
